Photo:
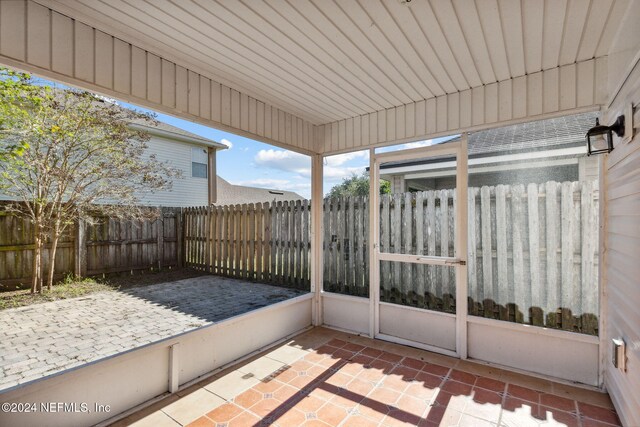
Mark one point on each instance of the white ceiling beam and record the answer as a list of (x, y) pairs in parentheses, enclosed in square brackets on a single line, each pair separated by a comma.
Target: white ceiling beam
[(558, 91), (42, 41)]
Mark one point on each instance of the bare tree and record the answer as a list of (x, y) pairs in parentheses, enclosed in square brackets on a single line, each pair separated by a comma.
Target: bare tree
[(66, 154)]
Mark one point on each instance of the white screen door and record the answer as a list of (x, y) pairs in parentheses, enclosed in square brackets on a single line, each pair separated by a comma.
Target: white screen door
[(420, 247)]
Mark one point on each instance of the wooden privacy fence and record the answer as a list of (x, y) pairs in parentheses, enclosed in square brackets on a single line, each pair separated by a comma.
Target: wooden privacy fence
[(268, 242), (533, 254), (108, 246), (532, 249), (345, 244)]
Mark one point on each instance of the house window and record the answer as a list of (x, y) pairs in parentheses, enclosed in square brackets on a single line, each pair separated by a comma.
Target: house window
[(199, 162)]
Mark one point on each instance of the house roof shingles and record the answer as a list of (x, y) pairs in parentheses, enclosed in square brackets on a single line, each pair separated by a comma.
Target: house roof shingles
[(161, 127), (532, 135), (549, 134), (230, 194)]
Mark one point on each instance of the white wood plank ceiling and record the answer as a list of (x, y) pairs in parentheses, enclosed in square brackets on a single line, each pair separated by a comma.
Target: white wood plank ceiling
[(328, 60)]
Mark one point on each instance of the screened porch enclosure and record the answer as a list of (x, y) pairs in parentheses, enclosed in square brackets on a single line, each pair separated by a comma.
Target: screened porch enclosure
[(529, 256), (532, 245), (507, 255)]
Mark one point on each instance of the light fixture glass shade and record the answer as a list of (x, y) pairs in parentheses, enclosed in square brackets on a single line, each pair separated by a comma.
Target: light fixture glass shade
[(599, 139), (599, 143)]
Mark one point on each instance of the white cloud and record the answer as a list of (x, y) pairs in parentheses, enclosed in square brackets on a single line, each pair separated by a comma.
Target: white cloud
[(409, 145), (331, 172), (418, 144), (287, 161), (340, 159), (335, 169), (227, 143), (304, 189)]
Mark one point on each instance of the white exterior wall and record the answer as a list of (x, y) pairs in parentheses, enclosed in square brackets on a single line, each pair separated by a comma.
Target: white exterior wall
[(187, 191), (621, 235)]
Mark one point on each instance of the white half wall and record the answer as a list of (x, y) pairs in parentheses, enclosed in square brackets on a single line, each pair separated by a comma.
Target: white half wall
[(420, 326), (132, 378), (559, 354), (346, 312)]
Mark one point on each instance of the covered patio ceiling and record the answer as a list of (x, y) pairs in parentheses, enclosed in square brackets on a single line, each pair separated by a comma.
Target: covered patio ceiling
[(330, 60), (333, 76)]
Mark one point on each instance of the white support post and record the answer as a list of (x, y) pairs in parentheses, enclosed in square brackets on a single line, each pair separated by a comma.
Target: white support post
[(603, 226), (461, 248), (374, 236), (174, 373), (317, 199)]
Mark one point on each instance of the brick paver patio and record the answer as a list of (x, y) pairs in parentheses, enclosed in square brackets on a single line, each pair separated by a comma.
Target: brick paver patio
[(44, 339), (328, 378)]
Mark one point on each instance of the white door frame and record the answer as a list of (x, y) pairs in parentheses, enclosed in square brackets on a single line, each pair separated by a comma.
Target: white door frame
[(459, 150)]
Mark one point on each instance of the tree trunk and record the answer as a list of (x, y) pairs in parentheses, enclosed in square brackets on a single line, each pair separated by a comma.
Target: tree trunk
[(35, 266), (52, 258), (40, 265)]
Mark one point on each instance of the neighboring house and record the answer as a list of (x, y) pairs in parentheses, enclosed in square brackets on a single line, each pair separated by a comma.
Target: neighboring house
[(194, 155), (229, 194), (546, 150)]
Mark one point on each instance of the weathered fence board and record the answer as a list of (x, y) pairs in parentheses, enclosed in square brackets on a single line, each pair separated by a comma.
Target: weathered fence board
[(531, 255), (532, 251), (267, 242), (107, 246)]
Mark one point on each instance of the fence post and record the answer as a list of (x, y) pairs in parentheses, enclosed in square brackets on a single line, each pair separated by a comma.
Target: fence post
[(160, 232), (179, 237), (80, 249)]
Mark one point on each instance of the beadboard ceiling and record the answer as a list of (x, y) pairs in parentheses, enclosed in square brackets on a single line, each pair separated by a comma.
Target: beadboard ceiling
[(327, 60)]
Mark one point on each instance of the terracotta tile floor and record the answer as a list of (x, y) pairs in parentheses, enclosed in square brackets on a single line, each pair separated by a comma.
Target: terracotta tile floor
[(328, 378)]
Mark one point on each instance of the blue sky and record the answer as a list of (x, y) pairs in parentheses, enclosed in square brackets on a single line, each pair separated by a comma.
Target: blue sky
[(253, 163)]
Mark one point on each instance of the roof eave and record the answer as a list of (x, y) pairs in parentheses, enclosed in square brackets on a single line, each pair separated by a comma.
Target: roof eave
[(178, 137)]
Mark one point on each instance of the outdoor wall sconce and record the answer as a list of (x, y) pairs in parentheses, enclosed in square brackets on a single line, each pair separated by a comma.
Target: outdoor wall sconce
[(600, 138)]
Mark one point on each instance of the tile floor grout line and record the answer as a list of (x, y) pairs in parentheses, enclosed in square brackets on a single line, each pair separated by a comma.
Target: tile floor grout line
[(503, 402), (388, 371), (176, 421)]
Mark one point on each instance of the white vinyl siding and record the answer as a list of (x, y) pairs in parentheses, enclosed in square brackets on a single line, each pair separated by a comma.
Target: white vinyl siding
[(188, 191), (56, 46), (622, 224)]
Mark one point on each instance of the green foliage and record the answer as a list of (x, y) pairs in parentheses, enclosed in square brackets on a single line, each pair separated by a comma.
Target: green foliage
[(65, 152), (73, 148), (358, 185), (18, 100)]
